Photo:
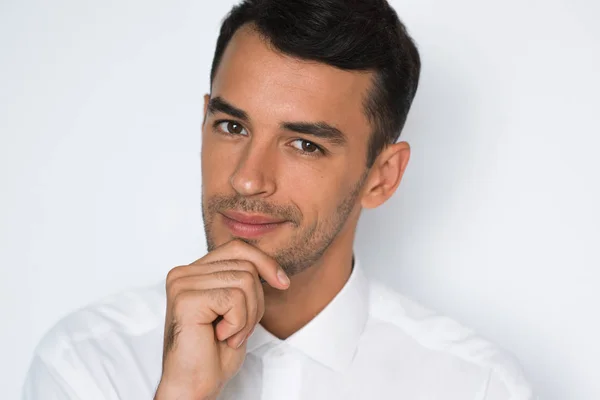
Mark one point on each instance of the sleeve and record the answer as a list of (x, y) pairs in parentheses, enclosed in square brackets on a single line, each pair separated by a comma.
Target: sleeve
[(44, 383)]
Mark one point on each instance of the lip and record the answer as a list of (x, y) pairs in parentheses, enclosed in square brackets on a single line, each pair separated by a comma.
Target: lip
[(250, 225), (251, 219)]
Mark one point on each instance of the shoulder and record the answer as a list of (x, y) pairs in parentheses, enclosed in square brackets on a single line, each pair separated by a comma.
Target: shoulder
[(128, 314), (107, 350), (453, 348)]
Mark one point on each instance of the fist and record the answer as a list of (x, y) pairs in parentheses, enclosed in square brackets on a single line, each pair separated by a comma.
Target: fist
[(213, 306)]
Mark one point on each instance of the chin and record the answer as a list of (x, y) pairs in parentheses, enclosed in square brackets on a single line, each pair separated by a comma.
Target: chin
[(220, 240)]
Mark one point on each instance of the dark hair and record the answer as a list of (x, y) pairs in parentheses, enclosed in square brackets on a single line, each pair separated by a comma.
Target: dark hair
[(363, 35)]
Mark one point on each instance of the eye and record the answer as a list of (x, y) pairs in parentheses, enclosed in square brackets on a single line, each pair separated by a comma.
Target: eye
[(306, 147), (231, 128)]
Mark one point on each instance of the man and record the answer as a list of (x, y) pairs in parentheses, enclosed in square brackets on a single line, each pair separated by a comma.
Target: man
[(307, 100)]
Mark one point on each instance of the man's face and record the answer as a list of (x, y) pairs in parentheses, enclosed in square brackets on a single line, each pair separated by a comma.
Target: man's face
[(273, 172)]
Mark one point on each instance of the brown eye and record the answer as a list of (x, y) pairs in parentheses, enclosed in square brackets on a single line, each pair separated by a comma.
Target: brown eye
[(306, 147), (234, 127), (309, 147), (231, 128)]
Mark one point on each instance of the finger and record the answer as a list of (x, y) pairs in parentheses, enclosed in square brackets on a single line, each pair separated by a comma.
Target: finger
[(226, 278), (256, 309), (192, 308), (176, 277), (175, 281), (214, 265), (245, 266), (182, 278), (266, 266), (197, 268)]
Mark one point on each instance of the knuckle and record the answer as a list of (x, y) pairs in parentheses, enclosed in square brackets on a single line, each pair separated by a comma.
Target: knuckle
[(231, 298), (249, 266), (247, 280), (247, 274), (221, 297), (174, 273), (236, 295)]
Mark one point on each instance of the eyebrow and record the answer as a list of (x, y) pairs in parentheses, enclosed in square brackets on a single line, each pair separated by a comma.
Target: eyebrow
[(319, 129), (217, 104)]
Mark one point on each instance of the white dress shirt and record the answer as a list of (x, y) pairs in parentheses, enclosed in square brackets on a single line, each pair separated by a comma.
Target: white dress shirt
[(368, 343)]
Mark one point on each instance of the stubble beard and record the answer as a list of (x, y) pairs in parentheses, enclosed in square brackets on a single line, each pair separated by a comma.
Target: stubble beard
[(306, 246)]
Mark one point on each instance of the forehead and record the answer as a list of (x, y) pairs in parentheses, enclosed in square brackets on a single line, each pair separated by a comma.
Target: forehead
[(272, 86)]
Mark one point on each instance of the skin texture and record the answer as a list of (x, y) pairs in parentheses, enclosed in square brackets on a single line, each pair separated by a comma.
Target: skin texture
[(317, 186)]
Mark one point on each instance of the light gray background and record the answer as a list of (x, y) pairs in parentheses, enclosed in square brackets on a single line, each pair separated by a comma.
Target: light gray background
[(496, 223)]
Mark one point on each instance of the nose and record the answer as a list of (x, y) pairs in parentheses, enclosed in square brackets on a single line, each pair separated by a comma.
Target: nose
[(255, 172)]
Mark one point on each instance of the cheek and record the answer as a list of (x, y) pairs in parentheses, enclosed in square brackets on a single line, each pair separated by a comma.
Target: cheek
[(314, 192), (216, 164)]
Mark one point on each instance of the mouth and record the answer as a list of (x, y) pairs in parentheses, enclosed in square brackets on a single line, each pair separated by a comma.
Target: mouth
[(250, 225)]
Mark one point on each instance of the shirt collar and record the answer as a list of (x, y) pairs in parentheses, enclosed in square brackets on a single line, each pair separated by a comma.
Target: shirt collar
[(332, 336)]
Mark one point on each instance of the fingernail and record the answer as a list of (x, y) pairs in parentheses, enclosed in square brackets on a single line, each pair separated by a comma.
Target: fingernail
[(283, 278)]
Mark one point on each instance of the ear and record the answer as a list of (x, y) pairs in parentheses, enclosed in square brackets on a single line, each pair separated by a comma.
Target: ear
[(386, 174), (206, 100)]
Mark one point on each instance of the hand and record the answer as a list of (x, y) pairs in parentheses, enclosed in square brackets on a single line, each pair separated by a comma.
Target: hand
[(201, 353)]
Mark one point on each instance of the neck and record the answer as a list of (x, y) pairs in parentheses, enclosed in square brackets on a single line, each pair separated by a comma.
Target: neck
[(310, 291)]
